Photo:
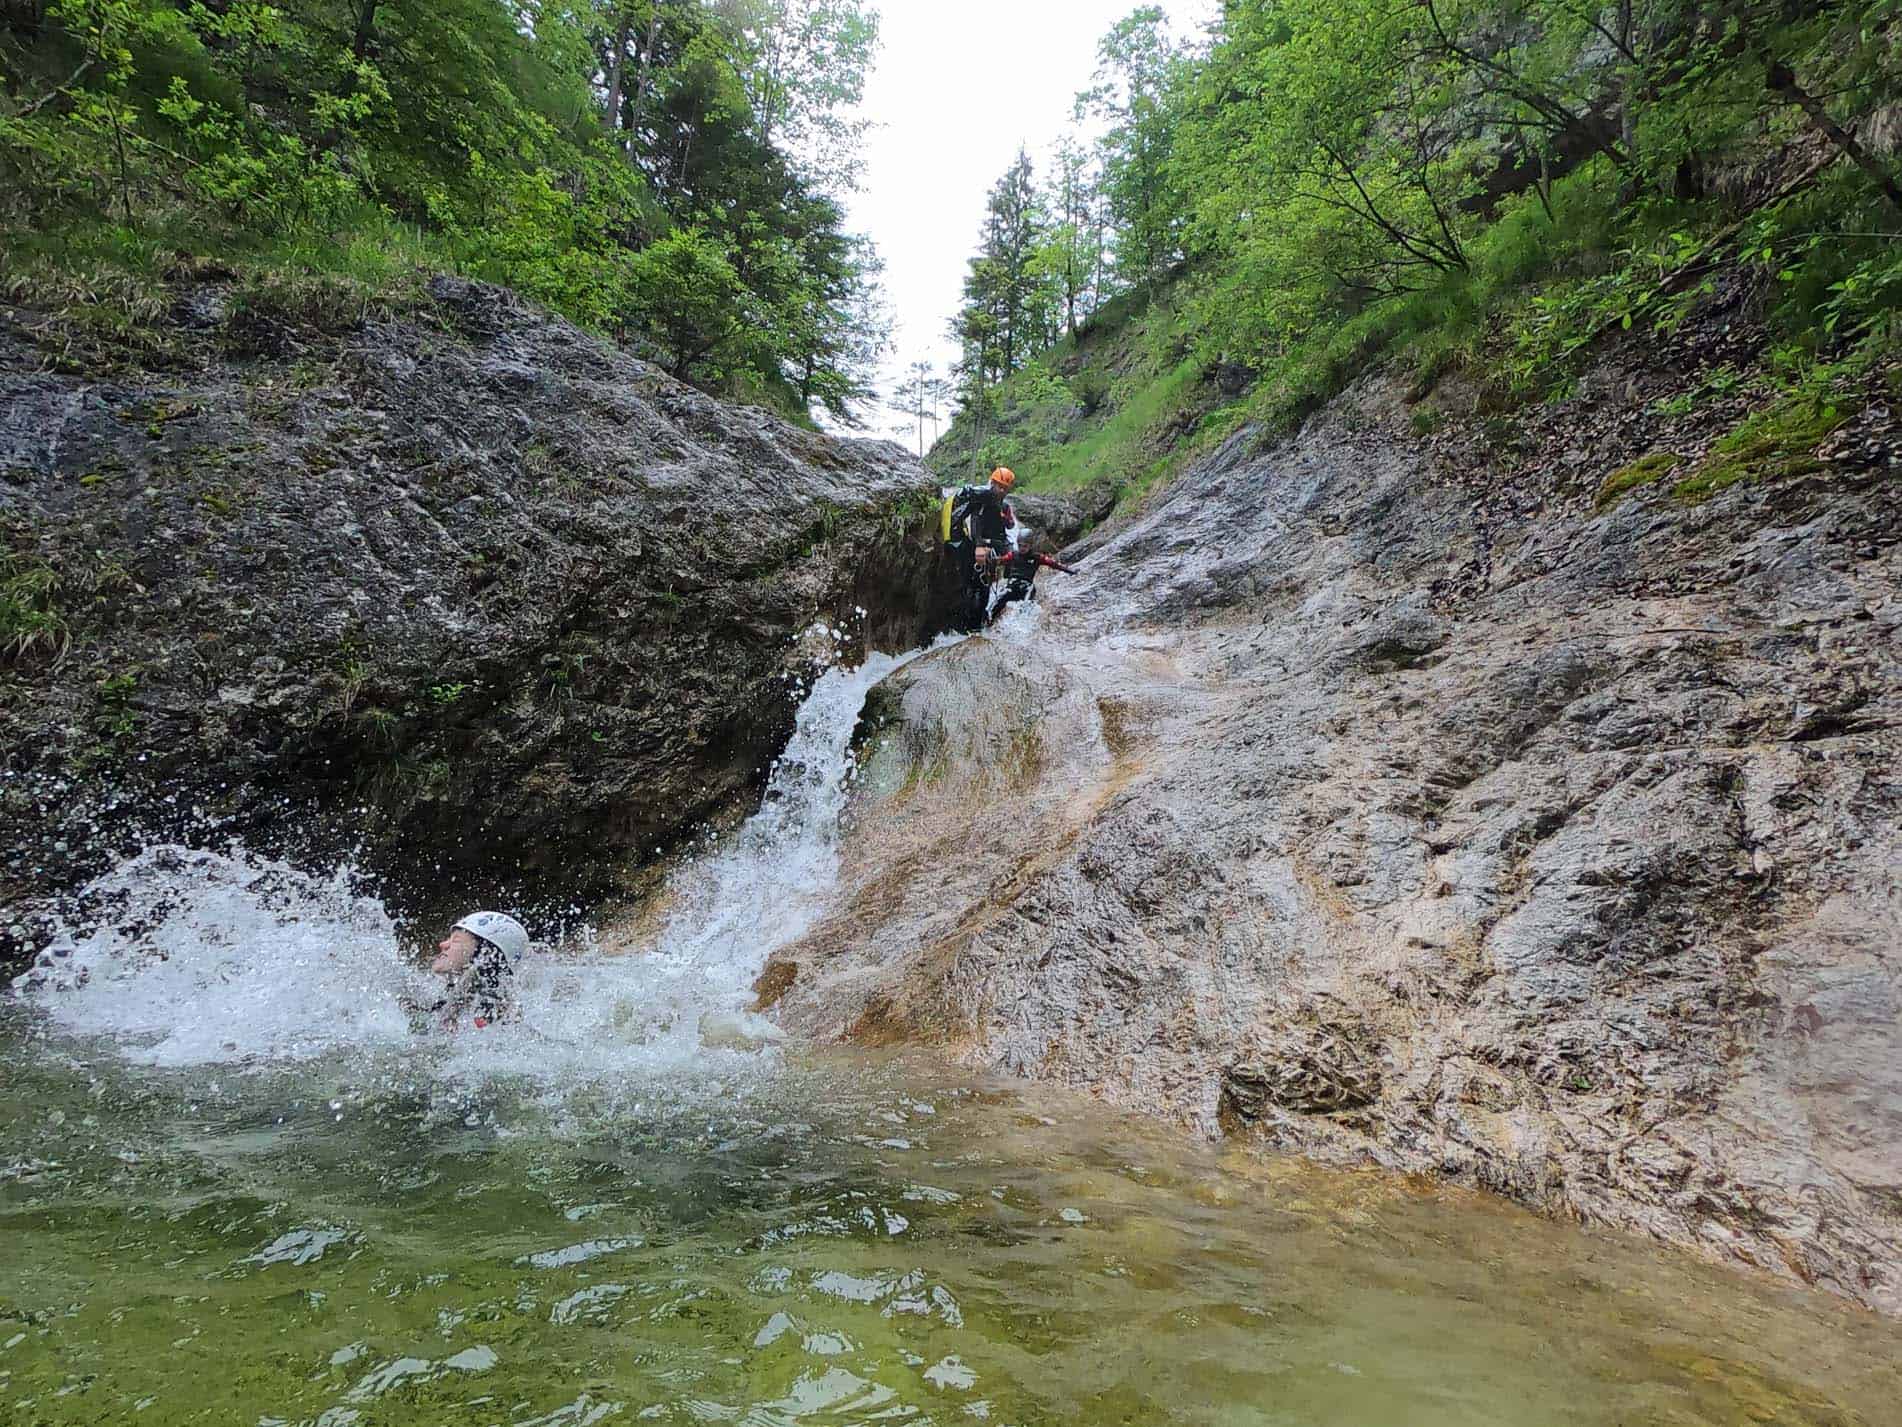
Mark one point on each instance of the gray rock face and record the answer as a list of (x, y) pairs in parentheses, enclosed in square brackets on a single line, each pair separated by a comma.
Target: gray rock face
[(1559, 856), (498, 602)]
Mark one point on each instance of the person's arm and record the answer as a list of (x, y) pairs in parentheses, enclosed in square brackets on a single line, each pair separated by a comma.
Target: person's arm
[(1050, 562)]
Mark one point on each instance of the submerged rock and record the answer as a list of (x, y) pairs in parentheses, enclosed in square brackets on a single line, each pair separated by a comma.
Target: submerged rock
[(1548, 851), (492, 601)]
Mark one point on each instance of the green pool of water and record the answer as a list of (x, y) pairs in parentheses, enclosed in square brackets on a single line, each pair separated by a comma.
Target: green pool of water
[(841, 1242)]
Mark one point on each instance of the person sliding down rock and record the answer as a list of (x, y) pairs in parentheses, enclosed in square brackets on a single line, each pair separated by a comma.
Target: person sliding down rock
[(477, 961), (1017, 575), (977, 533)]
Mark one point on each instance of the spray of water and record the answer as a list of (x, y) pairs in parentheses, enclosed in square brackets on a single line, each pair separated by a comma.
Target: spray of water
[(221, 956), (226, 958)]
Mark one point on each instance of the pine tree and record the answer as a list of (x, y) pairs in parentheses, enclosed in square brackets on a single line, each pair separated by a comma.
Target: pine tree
[(1010, 299)]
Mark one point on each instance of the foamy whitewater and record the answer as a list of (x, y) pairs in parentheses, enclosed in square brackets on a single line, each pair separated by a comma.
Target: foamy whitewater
[(226, 958)]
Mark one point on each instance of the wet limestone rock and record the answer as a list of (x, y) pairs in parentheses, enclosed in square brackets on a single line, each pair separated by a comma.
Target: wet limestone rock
[(460, 585), (1543, 849), (1327, 1068)]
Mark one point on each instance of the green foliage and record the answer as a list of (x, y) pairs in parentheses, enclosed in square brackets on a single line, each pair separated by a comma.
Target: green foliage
[(553, 235), (544, 145), (689, 294), (1121, 451), (803, 76), (1140, 73), (1496, 184), (116, 716)]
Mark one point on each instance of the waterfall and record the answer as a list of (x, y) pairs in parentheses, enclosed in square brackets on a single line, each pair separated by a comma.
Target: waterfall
[(223, 957)]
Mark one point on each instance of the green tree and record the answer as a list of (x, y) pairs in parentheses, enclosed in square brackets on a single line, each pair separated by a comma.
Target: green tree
[(1074, 246), (1139, 73), (549, 144), (803, 65), (1009, 299), (685, 290)]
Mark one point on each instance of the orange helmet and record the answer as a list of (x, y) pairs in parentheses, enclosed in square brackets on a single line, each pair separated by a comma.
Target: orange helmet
[(1004, 477)]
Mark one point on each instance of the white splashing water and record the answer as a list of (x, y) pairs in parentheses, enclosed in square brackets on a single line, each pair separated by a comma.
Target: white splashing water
[(1018, 623), (221, 958)]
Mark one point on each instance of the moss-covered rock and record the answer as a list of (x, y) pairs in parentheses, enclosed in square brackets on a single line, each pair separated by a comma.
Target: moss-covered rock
[(1773, 444), (1644, 471)]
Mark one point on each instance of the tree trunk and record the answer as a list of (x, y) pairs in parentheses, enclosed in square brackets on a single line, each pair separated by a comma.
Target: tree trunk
[(366, 31), (360, 45), (769, 87), (641, 74), (1782, 82), (617, 66)]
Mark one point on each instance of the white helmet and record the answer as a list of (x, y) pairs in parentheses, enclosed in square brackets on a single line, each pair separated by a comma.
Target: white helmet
[(500, 930)]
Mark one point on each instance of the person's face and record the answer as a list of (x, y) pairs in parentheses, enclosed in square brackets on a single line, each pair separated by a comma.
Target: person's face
[(454, 953)]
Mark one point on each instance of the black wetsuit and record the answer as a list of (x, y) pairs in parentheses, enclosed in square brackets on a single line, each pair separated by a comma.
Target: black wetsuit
[(1019, 575), (977, 518)]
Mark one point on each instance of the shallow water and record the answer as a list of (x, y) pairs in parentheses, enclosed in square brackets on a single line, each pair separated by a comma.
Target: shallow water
[(236, 1186), (826, 1242)]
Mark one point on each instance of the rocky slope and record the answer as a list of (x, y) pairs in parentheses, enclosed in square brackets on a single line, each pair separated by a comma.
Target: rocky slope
[(493, 601), (1349, 804)]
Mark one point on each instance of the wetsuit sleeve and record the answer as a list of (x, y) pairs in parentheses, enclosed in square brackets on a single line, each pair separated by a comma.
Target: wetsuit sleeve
[(960, 511)]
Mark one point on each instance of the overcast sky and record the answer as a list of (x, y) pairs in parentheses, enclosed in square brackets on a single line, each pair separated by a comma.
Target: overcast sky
[(955, 90)]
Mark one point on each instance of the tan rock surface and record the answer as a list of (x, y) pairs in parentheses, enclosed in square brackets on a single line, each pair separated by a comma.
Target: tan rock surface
[(1557, 854)]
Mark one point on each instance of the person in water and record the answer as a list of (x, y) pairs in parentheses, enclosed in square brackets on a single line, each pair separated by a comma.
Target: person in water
[(477, 961), (980, 534)]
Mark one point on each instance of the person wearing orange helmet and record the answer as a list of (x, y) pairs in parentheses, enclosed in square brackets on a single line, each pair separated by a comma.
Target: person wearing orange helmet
[(980, 533)]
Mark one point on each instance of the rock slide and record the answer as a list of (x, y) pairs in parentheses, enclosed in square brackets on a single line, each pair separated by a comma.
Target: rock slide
[(1558, 857)]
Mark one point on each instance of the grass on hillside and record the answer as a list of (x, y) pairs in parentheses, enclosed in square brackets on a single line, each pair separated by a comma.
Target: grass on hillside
[(1541, 287), (370, 250), (110, 285), (31, 621)]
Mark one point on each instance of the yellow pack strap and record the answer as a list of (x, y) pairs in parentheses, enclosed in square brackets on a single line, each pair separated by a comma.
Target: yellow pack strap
[(944, 519)]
